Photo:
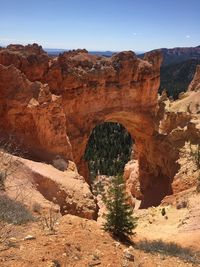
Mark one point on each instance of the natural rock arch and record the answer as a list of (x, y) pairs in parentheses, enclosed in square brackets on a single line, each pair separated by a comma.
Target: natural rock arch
[(155, 184), (89, 90), (127, 119), (129, 96)]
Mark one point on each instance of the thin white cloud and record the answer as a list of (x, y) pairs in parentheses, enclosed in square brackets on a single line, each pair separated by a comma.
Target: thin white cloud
[(6, 39), (187, 36), (136, 34)]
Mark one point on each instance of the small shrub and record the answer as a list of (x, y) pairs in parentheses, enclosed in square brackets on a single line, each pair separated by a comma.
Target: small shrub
[(49, 221), (60, 163), (55, 263), (36, 207), (181, 204), (2, 179), (168, 249), (163, 212), (8, 164), (14, 212)]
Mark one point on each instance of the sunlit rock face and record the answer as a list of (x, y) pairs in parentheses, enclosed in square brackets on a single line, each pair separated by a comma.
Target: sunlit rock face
[(53, 104), (32, 60), (195, 83), (33, 115), (168, 153)]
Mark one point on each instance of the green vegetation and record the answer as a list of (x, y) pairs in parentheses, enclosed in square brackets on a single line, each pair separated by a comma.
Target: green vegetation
[(12, 211), (108, 149), (168, 249), (176, 77), (119, 218)]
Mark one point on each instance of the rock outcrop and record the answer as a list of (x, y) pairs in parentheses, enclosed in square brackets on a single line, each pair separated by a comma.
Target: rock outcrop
[(53, 104), (169, 150), (42, 185), (131, 175), (29, 111), (32, 60), (195, 83)]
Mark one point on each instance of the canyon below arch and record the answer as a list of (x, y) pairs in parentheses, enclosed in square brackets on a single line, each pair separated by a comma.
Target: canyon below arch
[(51, 105)]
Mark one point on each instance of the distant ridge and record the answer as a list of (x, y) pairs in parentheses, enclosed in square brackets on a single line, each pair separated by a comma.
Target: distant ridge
[(178, 54), (178, 68), (176, 77), (57, 51), (54, 51)]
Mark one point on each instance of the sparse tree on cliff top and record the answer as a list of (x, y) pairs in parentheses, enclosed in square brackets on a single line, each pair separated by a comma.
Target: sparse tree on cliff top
[(119, 218)]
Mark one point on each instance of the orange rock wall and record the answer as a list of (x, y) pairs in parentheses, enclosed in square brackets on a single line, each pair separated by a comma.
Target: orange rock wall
[(53, 104)]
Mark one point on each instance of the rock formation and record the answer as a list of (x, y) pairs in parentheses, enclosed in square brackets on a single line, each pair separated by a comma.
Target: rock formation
[(32, 60), (169, 148), (30, 112), (53, 104), (195, 84), (42, 185)]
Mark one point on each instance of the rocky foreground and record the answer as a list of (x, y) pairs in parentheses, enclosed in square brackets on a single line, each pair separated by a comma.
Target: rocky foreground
[(81, 242)]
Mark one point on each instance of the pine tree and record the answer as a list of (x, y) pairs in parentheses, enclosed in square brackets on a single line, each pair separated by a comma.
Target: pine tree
[(119, 219), (108, 149)]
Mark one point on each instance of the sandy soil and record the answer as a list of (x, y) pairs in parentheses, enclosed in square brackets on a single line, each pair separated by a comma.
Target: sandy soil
[(82, 243)]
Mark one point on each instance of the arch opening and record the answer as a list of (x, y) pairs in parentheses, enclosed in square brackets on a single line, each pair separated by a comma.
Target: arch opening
[(109, 148), (151, 179)]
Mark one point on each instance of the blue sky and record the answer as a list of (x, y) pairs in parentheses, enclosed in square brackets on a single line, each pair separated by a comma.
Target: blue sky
[(101, 24)]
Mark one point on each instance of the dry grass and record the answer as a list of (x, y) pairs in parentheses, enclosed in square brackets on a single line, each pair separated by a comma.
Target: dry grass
[(168, 249), (49, 221), (14, 212)]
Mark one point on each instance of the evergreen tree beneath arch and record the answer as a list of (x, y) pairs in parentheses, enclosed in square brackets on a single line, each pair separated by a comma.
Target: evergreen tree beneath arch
[(119, 217)]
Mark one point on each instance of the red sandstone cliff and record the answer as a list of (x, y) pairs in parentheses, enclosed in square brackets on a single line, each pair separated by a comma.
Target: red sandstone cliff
[(169, 149), (90, 90), (195, 83), (30, 112)]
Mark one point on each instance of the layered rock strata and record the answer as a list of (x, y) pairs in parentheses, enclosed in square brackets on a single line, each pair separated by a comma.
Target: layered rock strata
[(53, 104)]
